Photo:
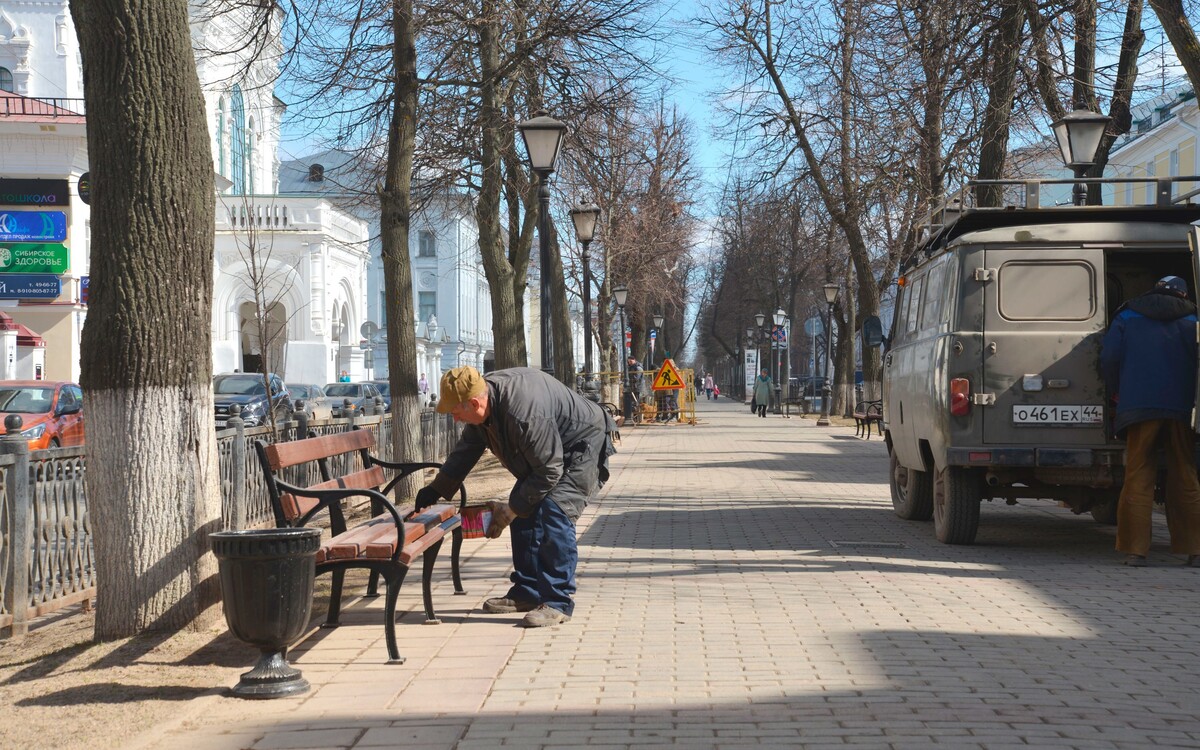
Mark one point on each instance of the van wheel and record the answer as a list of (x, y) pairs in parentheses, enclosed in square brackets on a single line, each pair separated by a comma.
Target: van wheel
[(1104, 510), (912, 491), (956, 497)]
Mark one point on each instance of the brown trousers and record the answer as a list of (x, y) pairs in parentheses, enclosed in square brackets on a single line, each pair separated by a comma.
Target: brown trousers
[(1137, 495)]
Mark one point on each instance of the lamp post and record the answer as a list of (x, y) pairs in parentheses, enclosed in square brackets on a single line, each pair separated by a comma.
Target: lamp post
[(584, 217), (658, 330), (1078, 135), (831, 295), (621, 292), (777, 347), (543, 136)]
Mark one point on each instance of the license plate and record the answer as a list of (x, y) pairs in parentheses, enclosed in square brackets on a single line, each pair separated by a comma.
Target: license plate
[(1035, 414)]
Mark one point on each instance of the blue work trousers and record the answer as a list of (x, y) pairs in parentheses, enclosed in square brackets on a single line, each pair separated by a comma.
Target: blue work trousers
[(544, 558)]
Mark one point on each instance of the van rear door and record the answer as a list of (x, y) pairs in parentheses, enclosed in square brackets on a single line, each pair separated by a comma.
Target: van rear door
[(1044, 318)]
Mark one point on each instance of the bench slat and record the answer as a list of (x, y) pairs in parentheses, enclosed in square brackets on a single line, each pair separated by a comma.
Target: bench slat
[(367, 479), (281, 455)]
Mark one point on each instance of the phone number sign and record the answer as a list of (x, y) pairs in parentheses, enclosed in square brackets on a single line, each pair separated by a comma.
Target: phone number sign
[(29, 286)]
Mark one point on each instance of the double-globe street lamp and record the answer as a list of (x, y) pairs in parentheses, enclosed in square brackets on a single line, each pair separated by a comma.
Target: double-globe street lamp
[(831, 296), (584, 217), (1079, 134), (543, 136)]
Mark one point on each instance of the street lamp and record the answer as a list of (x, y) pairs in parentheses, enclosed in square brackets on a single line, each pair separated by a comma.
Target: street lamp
[(778, 319), (584, 216), (1079, 134), (658, 321), (543, 136), (621, 293), (831, 296)]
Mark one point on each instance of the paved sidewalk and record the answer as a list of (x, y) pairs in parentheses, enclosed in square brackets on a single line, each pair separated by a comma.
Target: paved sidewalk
[(744, 583)]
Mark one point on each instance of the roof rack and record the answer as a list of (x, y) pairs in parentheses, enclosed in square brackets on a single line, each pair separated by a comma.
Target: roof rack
[(937, 227), (960, 202)]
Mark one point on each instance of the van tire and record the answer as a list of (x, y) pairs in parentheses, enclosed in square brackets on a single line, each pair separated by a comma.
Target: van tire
[(956, 498), (912, 491)]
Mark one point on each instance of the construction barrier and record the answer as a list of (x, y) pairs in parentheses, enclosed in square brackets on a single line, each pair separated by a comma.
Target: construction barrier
[(653, 407)]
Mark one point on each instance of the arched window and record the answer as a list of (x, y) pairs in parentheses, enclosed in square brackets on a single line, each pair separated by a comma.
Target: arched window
[(222, 164), (237, 146), (250, 156), (6, 80)]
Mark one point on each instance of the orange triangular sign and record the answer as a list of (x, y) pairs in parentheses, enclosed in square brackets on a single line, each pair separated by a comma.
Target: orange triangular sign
[(667, 378)]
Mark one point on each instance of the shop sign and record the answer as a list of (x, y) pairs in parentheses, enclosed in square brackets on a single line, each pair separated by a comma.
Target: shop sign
[(34, 258), (33, 192), (33, 226)]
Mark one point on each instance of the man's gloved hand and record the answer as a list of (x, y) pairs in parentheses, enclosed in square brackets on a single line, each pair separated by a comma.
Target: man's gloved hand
[(502, 516), (427, 496)]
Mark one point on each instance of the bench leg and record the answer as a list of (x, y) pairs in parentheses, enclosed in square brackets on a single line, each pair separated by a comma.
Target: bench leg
[(372, 586), (455, 571), (430, 557), (392, 581), (335, 599)]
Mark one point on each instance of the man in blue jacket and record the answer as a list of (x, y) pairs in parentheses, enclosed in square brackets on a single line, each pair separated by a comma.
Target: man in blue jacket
[(1148, 361)]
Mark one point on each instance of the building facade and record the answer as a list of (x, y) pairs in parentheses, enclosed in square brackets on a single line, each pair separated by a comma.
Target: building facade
[(303, 260)]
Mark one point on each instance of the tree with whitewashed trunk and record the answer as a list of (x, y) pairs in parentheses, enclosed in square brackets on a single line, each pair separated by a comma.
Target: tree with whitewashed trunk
[(146, 358)]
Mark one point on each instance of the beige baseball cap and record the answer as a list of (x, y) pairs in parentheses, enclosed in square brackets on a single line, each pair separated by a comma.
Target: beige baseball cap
[(458, 386)]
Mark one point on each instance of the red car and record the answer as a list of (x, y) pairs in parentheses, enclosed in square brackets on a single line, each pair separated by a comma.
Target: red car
[(51, 411)]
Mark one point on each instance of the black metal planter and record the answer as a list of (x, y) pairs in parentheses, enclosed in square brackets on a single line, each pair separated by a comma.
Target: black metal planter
[(267, 587)]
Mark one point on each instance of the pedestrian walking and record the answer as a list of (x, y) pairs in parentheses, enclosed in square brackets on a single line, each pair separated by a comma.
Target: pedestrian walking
[(708, 386), (1148, 360), (556, 443), (422, 385), (762, 392)]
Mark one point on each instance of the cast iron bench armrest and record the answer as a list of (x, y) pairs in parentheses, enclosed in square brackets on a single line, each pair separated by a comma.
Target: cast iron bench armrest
[(328, 497), (404, 469)]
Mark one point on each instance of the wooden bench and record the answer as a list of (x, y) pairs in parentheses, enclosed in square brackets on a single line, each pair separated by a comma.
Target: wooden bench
[(385, 544), (867, 413)]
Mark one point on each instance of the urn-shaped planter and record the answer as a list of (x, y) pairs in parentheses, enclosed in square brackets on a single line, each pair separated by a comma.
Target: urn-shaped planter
[(267, 588)]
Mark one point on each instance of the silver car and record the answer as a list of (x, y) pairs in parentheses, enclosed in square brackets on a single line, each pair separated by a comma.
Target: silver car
[(317, 405)]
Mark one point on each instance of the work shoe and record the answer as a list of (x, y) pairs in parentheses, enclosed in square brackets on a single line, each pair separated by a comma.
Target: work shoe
[(502, 605), (1193, 561), (1135, 561), (544, 615)]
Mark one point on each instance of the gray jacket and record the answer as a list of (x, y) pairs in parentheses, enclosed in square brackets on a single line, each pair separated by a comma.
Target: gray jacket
[(554, 441)]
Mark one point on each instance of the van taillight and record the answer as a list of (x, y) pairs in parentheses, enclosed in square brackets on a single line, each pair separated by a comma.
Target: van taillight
[(960, 397)]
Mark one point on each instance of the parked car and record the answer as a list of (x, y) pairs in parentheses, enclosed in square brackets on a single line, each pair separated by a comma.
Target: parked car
[(245, 389), (385, 390), (357, 393), (317, 405), (51, 412)]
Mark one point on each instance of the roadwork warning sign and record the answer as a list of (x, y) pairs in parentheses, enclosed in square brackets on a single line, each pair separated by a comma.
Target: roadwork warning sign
[(667, 378)]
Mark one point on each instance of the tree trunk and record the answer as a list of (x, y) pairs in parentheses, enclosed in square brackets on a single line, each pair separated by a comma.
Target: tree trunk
[(998, 111), (507, 327), (395, 205), (560, 315), (146, 352), (1119, 108), (1183, 38)]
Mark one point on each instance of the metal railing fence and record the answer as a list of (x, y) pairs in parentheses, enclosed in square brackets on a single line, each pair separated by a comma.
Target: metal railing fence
[(46, 551)]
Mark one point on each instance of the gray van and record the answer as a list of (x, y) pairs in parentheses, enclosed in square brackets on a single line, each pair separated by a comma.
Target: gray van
[(991, 378)]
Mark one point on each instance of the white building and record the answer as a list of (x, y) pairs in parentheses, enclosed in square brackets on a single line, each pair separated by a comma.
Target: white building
[(451, 298), (311, 256)]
